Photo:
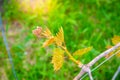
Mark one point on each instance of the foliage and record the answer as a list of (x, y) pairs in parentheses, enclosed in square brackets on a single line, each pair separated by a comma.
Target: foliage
[(115, 40), (58, 58), (85, 23), (80, 52), (58, 39)]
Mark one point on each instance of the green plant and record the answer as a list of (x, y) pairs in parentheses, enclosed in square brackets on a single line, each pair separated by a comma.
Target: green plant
[(58, 53), (81, 21)]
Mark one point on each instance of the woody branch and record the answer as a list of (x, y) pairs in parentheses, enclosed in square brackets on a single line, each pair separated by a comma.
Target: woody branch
[(86, 68)]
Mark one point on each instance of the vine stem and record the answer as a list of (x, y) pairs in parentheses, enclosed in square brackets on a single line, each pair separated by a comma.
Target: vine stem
[(90, 75), (116, 73), (103, 54), (71, 57), (91, 63), (100, 64)]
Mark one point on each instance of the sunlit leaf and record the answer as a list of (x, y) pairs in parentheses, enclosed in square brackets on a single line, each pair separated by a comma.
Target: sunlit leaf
[(47, 33), (58, 58), (118, 55), (80, 52), (48, 42), (59, 38), (108, 55), (116, 40)]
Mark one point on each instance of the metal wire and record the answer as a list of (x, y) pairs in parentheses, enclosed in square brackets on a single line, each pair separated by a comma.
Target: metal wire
[(100, 64), (7, 48)]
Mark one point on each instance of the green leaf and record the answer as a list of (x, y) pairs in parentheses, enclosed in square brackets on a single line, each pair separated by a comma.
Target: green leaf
[(80, 52)]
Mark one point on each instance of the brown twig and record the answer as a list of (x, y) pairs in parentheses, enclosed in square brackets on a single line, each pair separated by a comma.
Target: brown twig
[(103, 54), (86, 68), (90, 75)]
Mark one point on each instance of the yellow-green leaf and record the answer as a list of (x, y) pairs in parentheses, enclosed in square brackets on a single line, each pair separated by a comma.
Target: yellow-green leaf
[(47, 33), (116, 39), (59, 38), (80, 52), (58, 58), (48, 42), (118, 55), (108, 55)]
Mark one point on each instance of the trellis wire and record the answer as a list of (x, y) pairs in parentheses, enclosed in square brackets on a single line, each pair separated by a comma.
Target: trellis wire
[(7, 48), (100, 64)]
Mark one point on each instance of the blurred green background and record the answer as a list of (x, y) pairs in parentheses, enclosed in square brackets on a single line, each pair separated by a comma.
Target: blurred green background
[(85, 23)]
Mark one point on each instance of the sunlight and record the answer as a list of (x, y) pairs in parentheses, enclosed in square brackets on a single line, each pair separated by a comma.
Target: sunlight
[(38, 7)]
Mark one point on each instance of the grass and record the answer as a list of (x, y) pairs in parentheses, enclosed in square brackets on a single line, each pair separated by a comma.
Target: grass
[(85, 23)]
